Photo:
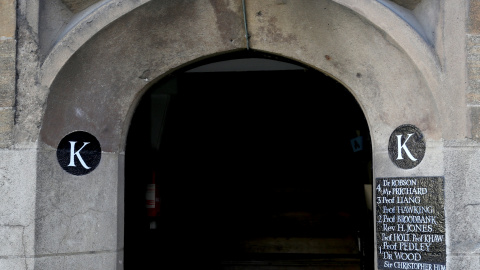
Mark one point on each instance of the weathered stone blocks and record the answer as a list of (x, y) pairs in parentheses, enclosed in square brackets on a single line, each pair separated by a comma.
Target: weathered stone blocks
[(474, 17), (7, 18), (7, 70), (6, 126)]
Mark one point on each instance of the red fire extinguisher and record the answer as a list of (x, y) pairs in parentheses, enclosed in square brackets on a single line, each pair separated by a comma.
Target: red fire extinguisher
[(152, 199)]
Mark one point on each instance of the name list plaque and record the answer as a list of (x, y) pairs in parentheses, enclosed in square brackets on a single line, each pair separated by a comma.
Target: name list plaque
[(410, 222)]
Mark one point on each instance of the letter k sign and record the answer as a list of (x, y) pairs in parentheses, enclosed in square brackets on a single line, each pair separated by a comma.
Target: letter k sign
[(404, 147), (406, 140), (79, 153)]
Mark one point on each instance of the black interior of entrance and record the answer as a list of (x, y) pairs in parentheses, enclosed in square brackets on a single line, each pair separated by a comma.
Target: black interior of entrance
[(252, 167)]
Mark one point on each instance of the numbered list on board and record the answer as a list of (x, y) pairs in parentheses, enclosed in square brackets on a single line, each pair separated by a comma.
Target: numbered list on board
[(410, 223)]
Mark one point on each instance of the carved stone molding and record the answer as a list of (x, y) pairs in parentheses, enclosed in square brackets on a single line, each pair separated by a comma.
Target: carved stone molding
[(410, 4), (78, 5)]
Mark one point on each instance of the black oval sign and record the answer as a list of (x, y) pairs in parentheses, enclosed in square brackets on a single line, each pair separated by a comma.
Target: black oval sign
[(79, 153), (406, 146)]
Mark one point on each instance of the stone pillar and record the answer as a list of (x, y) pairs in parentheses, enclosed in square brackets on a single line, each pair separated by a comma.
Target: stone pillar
[(462, 160), (17, 170)]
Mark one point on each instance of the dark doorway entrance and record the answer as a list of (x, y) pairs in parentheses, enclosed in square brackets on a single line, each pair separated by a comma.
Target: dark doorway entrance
[(252, 169)]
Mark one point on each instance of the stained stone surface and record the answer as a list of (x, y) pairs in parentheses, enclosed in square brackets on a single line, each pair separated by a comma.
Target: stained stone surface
[(76, 214)]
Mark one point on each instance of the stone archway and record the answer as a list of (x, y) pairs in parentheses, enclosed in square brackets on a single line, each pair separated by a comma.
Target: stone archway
[(96, 87), (250, 168)]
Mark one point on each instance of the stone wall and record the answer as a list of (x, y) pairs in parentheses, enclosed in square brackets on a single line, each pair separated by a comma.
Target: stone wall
[(473, 60), (53, 52), (17, 161), (462, 157), (7, 70)]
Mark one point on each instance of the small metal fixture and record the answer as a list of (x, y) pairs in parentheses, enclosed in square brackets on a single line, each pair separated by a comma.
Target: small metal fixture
[(247, 36)]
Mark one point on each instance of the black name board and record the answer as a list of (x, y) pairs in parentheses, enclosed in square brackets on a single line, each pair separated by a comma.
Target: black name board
[(410, 220)]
